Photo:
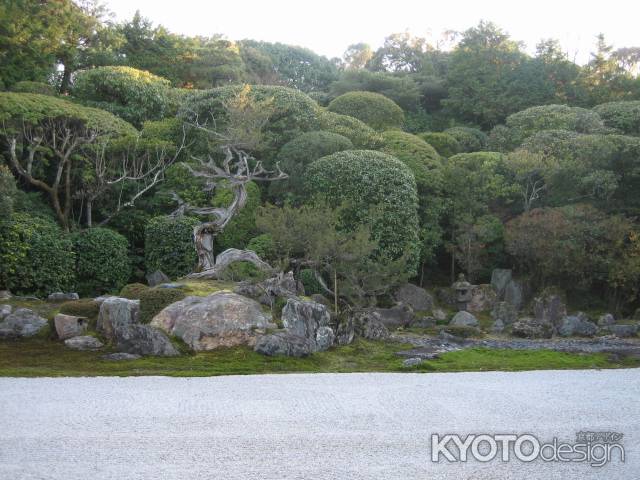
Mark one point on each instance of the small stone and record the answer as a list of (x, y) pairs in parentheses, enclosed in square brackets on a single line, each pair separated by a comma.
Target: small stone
[(120, 356), (412, 362), (463, 319), (156, 278), (424, 322), (498, 326), (606, 319), (439, 314), (68, 326), (4, 311), (63, 297), (624, 331), (84, 343)]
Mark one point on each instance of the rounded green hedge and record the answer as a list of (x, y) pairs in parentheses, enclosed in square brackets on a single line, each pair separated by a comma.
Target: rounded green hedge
[(294, 113), (102, 261), (133, 291), (445, 144), (264, 246), (85, 307), (377, 190), (310, 282), (360, 134), (377, 111), (415, 153), (296, 155), (153, 300), (169, 245), (36, 256), (27, 86), (469, 139), (623, 116)]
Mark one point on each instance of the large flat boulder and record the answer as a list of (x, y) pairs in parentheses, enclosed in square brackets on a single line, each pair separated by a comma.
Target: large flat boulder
[(415, 297), (578, 325), (140, 339), (68, 326), (483, 298), (283, 343), (21, 322), (500, 277), (83, 342), (222, 319), (369, 325)]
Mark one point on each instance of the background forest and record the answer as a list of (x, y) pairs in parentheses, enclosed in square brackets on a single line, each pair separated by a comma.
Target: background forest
[(405, 162)]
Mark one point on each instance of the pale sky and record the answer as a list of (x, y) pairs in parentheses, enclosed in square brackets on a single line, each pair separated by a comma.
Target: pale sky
[(328, 26)]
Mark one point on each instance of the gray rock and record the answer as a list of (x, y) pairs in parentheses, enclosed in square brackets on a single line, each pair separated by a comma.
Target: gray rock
[(99, 300), (483, 298), (412, 362), (450, 338), (222, 319), (117, 313), (68, 326), (446, 295), (415, 297), (232, 255), (157, 278), (63, 297), (576, 325), (514, 294), (530, 327), (549, 308), (500, 277), (424, 322), (309, 320), (368, 325), (636, 314), (345, 331), (5, 295), (172, 286), (463, 319), (22, 322), (283, 343), (120, 356), (395, 317), (144, 340), (5, 310), (505, 312), (606, 320), (321, 299), (623, 331), (265, 292), (439, 314), (498, 326), (83, 343)]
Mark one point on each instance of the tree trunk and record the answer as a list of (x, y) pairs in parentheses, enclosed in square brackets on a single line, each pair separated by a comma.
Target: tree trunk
[(203, 236), (89, 213), (335, 290)]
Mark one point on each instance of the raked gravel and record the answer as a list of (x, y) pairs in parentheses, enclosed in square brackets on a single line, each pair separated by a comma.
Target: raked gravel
[(320, 426)]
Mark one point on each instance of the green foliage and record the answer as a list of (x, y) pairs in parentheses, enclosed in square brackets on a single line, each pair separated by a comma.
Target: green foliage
[(243, 271), (8, 193), (242, 226), (296, 155), (402, 90), (264, 246), (169, 245), (153, 300), (26, 86), (377, 111), (85, 307), (293, 113), (526, 123), (133, 291), (469, 139), (379, 191), (134, 95), (310, 282), (623, 116), (36, 256), (360, 134), (446, 145), (102, 262)]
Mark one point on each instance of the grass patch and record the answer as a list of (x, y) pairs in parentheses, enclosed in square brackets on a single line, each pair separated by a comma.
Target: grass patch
[(38, 357), (484, 359), (202, 288)]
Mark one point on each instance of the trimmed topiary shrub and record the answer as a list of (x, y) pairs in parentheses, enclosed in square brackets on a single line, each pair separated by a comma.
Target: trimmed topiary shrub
[(360, 134), (469, 139), (264, 247), (102, 261), (132, 94), (376, 189), (153, 300), (169, 245), (295, 156), (27, 86), (294, 113), (36, 256), (85, 307), (133, 291), (623, 116), (239, 271), (445, 144), (415, 153), (377, 111), (311, 284)]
